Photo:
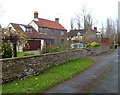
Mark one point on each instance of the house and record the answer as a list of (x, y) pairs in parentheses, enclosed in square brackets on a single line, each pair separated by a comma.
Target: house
[(84, 36), (52, 28), (76, 35), (42, 32)]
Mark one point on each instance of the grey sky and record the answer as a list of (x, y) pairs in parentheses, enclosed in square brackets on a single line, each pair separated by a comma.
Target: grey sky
[(21, 11)]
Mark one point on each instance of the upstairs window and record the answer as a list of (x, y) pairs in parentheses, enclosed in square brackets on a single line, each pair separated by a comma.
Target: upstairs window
[(62, 32), (27, 29), (42, 30)]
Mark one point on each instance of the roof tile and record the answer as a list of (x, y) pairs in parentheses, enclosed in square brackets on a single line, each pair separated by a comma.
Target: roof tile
[(49, 24), (32, 34)]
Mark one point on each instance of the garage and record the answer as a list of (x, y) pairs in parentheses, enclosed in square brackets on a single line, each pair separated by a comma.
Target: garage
[(33, 45)]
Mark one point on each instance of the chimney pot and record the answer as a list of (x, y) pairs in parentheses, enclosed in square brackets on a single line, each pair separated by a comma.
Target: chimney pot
[(35, 14), (57, 20)]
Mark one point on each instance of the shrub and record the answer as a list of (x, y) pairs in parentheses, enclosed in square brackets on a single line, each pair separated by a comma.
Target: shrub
[(45, 49), (93, 44), (50, 49), (55, 49), (6, 50)]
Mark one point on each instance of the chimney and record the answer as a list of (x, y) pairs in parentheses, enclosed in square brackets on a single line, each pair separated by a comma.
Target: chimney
[(35, 14), (57, 20), (95, 28)]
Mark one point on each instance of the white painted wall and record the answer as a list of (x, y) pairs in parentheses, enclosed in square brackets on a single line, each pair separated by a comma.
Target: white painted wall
[(22, 27), (19, 48), (35, 19), (42, 44), (10, 25), (34, 25)]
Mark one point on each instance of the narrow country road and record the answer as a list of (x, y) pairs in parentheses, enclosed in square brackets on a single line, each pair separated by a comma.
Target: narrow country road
[(102, 77)]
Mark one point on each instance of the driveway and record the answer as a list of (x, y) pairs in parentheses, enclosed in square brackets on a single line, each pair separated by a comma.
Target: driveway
[(102, 77)]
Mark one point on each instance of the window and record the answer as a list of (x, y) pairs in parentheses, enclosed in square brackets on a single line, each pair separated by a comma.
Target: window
[(62, 32), (42, 30), (52, 31), (49, 42), (27, 29), (62, 41)]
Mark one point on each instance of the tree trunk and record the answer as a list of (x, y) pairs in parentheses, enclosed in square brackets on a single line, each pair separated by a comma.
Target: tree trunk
[(15, 49)]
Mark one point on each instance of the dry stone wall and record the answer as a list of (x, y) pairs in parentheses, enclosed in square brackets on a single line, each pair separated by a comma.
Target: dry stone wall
[(23, 67)]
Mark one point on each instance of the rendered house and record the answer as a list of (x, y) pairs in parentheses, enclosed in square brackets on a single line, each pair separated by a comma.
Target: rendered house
[(42, 32), (76, 35), (84, 36)]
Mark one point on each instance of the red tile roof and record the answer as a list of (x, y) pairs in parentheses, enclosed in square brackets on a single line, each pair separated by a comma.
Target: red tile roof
[(49, 24), (33, 34)]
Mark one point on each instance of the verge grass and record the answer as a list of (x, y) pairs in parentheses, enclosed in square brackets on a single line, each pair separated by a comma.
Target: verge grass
[(46, 80), (24, 54)]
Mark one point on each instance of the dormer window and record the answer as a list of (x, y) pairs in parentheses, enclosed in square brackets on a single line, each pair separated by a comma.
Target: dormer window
[(28, 29)]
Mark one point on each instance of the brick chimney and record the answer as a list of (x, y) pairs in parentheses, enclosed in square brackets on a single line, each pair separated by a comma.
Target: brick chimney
[(57, 20), (35, 14)]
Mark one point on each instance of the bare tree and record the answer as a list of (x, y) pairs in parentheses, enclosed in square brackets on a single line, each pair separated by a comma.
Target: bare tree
[(111, 30), (71, 24), (88, 22), (102, 31), (78, 20), (84, 18)]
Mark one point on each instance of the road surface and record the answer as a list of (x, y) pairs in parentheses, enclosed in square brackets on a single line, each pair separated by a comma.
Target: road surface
[(102, 77)]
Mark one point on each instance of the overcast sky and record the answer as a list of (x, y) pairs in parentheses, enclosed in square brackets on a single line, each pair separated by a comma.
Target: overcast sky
[(21, 11)]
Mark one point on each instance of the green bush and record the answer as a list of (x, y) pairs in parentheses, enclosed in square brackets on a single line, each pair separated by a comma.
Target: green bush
[(93, 44), (45, 49), (55, 49), (50, 49), (6, 50)]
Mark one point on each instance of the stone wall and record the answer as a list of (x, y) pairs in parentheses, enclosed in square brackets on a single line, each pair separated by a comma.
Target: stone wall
[(23, 67)]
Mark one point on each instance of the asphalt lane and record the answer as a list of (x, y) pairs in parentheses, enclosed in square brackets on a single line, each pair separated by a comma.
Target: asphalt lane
[(110, 83), (102, 77)]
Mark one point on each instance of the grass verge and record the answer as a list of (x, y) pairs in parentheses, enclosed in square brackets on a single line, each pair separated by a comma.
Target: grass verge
[(24, 54), (49, 78)]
